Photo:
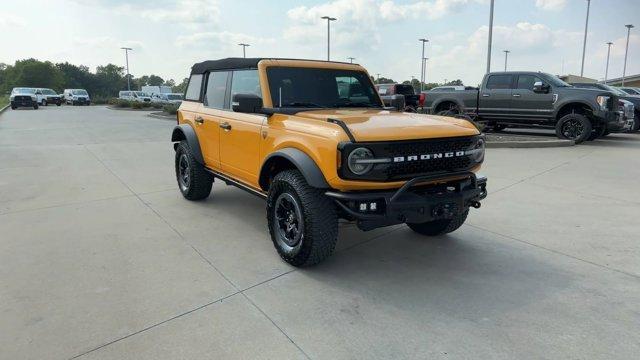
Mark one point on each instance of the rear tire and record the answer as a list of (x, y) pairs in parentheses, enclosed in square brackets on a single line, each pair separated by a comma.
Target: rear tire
[(599, 132), (574, 127), (440, 227), (193, 179), (303, 222)]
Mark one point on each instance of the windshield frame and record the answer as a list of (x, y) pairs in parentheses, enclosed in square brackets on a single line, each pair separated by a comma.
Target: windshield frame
[(373, 101), (556, 81)]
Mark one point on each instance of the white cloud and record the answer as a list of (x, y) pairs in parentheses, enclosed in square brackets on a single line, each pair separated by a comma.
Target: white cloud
[(552, 5), (11, 21)]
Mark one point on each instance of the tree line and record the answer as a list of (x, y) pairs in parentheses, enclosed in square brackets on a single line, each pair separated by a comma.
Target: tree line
[(105, 82), (416, 83)]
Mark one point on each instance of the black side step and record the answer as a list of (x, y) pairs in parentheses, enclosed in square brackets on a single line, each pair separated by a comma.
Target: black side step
[(230, 181)]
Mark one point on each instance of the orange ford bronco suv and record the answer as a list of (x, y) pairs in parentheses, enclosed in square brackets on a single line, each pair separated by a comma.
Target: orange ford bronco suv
[(314, 139)]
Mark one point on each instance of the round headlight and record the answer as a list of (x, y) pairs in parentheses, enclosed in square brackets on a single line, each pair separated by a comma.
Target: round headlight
[(355, 161), (477, 153)]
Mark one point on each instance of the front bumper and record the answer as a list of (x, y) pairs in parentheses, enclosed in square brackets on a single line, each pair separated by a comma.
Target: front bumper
[(614, 120), (22, 102), (413, 203)]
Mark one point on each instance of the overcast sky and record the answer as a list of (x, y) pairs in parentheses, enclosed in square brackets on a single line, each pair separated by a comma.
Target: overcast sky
[(168, 36)]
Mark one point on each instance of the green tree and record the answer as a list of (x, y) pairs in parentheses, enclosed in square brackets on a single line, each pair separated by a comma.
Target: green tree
[(109, 80), (182, 87)]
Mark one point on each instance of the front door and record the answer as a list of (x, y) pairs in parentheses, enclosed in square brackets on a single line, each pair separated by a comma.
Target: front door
[(527, 104), (495, 97), (240, 133)]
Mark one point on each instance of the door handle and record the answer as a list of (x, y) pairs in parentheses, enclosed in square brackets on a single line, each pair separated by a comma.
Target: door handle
[(516, 95), (485, 95), (226, 126), (199, 120)]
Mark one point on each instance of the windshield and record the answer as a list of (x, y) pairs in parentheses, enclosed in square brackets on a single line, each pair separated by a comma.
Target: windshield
[(321, 88), (79, 92), (140, 93), (24, 90), (174, 97), (631, 91), (555, 81), (48, 92), (614, 90)]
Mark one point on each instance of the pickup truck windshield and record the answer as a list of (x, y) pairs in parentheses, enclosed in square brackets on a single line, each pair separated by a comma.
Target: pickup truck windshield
[(48, 92), (24, 90), (321, 88), (79, 92), (555, 81)]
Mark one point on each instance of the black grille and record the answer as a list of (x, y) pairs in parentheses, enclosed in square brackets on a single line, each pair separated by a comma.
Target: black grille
[(22, 98), (407, 169), (408, 159)]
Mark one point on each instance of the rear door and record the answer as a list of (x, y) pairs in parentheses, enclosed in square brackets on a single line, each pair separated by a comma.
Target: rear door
[(211, 115), (527, 104), (495, 97)]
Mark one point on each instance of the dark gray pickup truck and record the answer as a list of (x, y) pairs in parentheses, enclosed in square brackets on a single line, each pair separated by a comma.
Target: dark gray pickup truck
[(534, 99)]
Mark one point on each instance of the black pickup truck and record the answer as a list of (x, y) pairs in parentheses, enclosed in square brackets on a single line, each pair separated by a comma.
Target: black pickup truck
[(388, 93), (534, 99)]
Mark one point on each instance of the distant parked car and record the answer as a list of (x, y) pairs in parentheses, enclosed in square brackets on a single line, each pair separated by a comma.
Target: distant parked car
[(47, 96), (76, 97), (23, 97), (630, 90), (630, 112), (412, 100), (135, 96), (166, 98)]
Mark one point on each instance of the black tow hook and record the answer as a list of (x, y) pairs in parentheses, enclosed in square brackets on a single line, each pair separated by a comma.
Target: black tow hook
[(475, 204)]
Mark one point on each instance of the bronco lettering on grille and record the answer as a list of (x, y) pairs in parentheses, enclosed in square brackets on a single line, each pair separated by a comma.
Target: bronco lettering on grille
[(397, 159)]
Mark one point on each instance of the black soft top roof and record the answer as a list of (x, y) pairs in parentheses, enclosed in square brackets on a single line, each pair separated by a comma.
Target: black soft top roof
[(236, 63)]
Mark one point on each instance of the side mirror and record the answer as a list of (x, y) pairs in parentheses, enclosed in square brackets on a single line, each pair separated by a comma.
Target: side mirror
[(246, 103), (539, 87), (397, 102)]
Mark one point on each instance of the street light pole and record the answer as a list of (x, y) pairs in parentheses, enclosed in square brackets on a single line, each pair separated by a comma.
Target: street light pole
[(126, 57), (424, 41), (584, 43), (624, 70), (606, 70), (244, 47), (490, 36), (329, 20), (506, 56), (351, 59), (425, 71)]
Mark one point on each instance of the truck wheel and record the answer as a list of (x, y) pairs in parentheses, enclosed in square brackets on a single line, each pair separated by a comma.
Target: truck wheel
[(440, 227), (193, 180), (303, 222), (44, 102), (35, 106), (574, 127), (58, 103)]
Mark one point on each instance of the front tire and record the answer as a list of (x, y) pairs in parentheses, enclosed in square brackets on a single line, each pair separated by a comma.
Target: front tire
[(35, 106), (440, 227), (303, 222), (574, 127), (193, 179), (598, 132)]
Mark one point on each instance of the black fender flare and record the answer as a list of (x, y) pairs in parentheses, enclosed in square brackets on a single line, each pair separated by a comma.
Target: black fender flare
[(186, 132), (303, 162)]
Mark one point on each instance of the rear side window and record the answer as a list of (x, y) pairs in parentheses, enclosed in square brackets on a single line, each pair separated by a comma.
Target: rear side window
[(194, 88), (499, 82), (245, 82), (216, 89), (527, 81)]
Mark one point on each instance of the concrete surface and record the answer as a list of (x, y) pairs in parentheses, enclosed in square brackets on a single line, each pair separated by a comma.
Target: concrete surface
[(101, 258)]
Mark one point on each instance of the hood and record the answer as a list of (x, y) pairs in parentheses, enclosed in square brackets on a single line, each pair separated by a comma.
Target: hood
[(587, 91), (381, 125)]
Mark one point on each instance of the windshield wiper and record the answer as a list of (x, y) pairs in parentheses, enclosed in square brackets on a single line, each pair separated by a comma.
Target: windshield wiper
[(302, 104)]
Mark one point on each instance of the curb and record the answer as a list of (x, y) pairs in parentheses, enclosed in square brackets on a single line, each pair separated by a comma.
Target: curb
[(163, 117), (4, 108), (529, 144), (130, 109)]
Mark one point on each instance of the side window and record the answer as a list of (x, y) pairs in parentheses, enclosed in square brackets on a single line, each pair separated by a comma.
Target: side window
[(216, 89), (527, 81), (499, 82), (245, 82), (193, 90)]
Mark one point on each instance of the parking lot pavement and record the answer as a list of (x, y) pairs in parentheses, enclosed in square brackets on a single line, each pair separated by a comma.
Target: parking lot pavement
[(101, 258)]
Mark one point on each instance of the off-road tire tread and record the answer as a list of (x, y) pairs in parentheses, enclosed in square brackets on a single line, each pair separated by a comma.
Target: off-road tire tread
[(320, 219), (440, 227), (587, 125), (201, 180)]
